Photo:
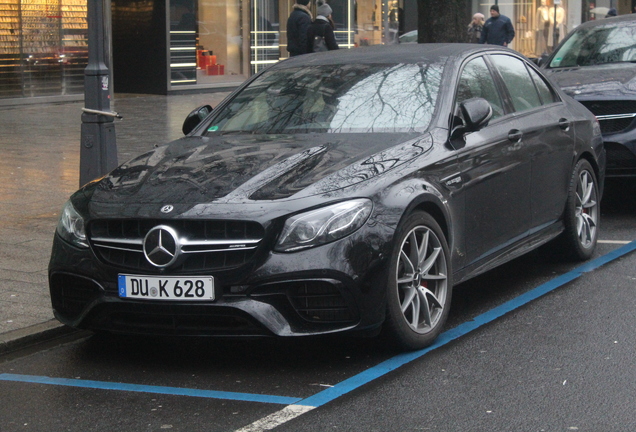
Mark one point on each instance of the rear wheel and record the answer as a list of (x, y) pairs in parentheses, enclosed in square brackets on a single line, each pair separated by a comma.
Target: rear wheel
[(419, 283), (582, 213)]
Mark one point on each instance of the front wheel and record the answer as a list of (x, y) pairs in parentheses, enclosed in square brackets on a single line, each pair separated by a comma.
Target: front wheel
[(419, 283), (582, 213)]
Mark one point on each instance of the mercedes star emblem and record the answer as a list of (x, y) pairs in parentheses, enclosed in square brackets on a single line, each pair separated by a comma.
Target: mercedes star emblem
[(167, 208), (162, 246)]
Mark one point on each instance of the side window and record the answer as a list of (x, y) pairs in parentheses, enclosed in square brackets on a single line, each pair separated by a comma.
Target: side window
[(520, 86), (547, 95), (476, 81)]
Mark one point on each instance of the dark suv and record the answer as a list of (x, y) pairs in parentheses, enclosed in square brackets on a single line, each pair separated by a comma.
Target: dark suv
[(596, 64)]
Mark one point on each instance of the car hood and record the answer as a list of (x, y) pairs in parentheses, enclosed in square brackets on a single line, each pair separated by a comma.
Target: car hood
[(616, 80), (252, 168)]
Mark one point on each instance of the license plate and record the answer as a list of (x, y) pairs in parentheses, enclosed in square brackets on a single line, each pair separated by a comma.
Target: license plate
[(188, 288)]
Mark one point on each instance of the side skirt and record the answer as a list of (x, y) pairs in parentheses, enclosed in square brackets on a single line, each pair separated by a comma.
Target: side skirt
[(509, 253)]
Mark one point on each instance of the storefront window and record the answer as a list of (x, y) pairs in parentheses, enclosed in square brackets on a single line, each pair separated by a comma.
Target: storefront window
[(540, 25), (206, 42), (357, 23), (43, 47), (265, 35), (375, 22)]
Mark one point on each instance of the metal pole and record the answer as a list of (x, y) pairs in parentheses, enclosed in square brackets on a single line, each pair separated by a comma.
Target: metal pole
[(555, 37), (554, 27), (98, 153)]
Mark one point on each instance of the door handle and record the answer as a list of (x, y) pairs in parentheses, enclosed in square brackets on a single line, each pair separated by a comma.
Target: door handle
[(515, 135), (564, 123)]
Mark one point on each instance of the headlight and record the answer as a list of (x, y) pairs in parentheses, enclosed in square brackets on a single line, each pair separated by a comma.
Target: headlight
[(323, 225), (71, 226)]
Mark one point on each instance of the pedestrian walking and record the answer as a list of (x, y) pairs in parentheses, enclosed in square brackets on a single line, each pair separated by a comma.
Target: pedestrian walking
[(297, 25), (498, 29), (320, 36), (475, 28)]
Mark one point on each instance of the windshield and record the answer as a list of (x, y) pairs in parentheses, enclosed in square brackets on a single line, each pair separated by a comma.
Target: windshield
[(356, 98), (598, 45)]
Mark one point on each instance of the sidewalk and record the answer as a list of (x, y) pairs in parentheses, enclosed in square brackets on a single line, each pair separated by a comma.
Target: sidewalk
[(39, 170)]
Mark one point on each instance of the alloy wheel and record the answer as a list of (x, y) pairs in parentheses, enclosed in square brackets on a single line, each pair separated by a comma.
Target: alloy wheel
[(422, 279), (586, 211)]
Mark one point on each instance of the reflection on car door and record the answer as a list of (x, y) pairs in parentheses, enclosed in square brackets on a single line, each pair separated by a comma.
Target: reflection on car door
[(548, 136), (495, 171)]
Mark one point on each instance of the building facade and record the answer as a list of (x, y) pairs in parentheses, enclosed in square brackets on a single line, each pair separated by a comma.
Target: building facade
[(166, 46)]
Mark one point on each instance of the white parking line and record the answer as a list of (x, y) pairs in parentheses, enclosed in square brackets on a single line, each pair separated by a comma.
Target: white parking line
[(615, 241), (276, 419)]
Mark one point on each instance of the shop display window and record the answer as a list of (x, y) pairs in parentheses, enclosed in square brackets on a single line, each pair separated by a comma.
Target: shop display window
[(43, 47), (357, 23), (206, 42)]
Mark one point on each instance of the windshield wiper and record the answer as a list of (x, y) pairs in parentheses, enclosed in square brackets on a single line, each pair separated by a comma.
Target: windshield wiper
[(238, 132)]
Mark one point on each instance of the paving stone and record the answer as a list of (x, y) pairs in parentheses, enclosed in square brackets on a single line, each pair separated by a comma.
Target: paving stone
[(37, 277), (39, 170)]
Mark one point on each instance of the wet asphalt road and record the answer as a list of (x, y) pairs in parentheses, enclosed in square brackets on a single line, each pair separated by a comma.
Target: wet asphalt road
[(563, 362)]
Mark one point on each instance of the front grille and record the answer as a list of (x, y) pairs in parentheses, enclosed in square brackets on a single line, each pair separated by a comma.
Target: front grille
[(601, 108), (319, 301), (615, 125), (619, 157), (605, 110), (206, 245), (70, 294)]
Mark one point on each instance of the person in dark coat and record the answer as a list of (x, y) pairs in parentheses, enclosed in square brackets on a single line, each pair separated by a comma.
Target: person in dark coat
[(498, 29), (297, 25), (322, 26)]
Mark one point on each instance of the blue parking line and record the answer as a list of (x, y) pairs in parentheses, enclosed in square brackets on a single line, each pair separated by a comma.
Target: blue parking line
[(173, 391), (391, 364), (355, 381)]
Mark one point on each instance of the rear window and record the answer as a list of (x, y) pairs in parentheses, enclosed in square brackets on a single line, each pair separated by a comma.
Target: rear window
[(354, 98)]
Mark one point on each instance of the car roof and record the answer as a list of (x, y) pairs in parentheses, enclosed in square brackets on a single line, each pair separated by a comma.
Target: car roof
[(608, 21), (390, 54)]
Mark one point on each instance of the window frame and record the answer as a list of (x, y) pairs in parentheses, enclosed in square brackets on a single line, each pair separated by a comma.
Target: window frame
[(498, 87), (556, 98), (507, 91)]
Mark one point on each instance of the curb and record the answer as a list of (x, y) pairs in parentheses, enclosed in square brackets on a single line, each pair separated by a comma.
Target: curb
[(32, 335)]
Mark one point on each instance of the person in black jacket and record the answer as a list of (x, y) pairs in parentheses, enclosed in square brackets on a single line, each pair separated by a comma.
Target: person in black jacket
[(498, 29), (297, 25), (322, 27)]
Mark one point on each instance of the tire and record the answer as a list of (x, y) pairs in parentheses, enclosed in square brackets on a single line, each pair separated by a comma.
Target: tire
[(582, 214), (419, 286)]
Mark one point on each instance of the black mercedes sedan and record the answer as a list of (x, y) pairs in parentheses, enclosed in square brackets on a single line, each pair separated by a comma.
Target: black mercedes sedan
[(596, 64), (332, 192)]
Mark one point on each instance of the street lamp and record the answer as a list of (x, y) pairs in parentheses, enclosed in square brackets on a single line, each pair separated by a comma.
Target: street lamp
[(98, 152)]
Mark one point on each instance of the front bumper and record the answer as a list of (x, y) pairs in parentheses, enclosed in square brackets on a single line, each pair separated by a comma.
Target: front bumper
[(332, 288), (621, 154)]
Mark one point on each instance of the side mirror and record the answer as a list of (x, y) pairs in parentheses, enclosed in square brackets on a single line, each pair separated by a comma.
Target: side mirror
[(477, 112), (194, 118)]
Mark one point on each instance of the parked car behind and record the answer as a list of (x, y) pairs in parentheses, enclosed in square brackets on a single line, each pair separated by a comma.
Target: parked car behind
[(409, 37), (596, 64), (341, 191)]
